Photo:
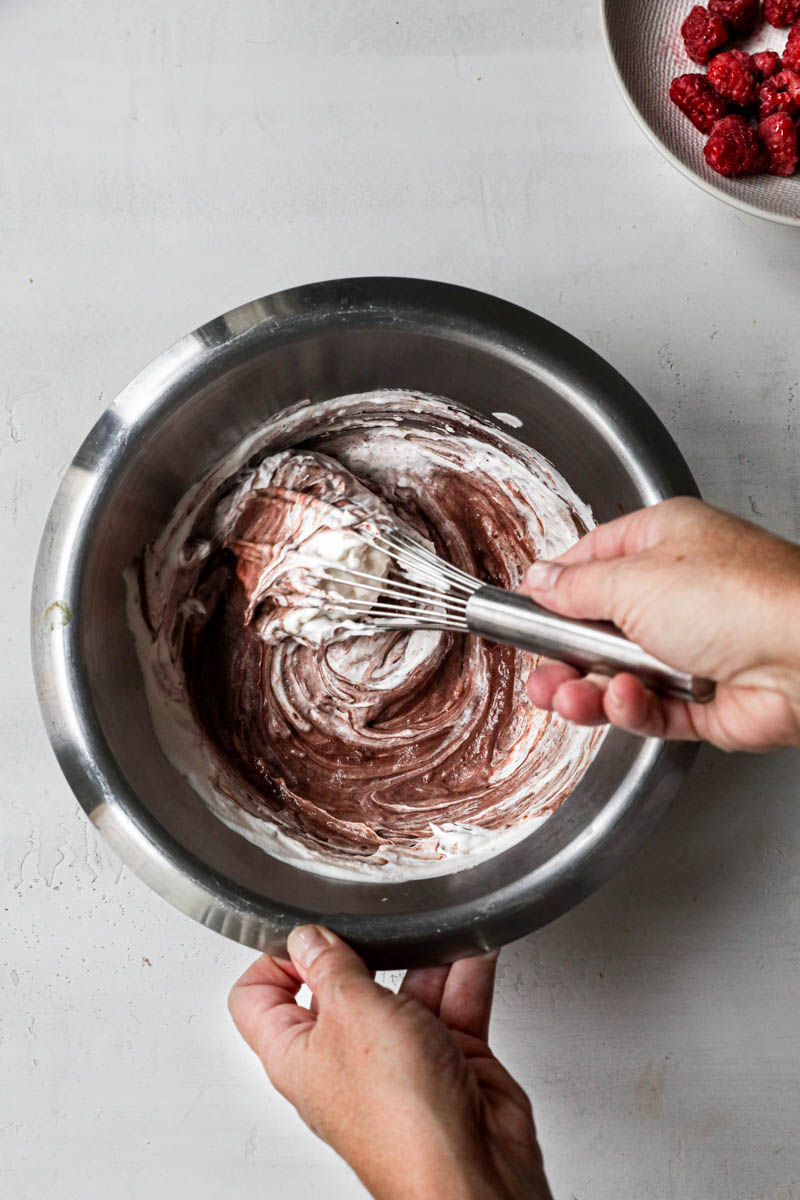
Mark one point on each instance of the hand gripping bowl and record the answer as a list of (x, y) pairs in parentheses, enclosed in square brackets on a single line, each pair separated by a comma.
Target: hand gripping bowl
[(185, 411)]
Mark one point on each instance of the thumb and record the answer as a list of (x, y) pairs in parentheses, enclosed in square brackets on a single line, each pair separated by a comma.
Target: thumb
[(601, 589), (327, 964)]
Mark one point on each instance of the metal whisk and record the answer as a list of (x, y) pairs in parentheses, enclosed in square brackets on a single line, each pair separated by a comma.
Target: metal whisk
[(434, 594)]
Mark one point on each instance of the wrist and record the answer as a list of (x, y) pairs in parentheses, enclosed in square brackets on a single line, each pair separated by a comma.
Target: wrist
[(779, 603), (430, 1176), (782, 668), (431, 1173)]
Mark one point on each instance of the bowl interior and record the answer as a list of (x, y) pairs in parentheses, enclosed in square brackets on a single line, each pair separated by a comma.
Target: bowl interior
[(204, 415), (647, 51)]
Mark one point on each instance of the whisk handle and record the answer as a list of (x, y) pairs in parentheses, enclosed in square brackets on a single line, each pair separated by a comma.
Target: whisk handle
[(507, 617)]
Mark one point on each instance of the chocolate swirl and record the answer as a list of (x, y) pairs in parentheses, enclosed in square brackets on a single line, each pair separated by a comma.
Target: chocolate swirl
[(396, 754)]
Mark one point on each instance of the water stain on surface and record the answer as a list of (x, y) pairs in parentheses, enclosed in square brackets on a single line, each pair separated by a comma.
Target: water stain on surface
[(648, 1094), (59, 612)]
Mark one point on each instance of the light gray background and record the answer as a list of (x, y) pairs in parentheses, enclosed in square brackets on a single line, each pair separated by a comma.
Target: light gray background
[(164, 161)]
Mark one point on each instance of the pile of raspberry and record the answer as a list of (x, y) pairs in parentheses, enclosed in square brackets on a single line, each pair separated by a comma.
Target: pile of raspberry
[(748, 104)]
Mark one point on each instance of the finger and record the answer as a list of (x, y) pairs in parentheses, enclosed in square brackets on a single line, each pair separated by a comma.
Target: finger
[(625, 702), (629, 534), (264, 1009), (598, 589), (313, 1004), (262, 1002), (328, 966), (426, 984), (631, 706), (581, 701), (545, 680), (466, 1004)]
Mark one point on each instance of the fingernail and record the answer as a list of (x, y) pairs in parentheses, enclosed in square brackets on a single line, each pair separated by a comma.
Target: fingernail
[(542, 575), (307, 943)]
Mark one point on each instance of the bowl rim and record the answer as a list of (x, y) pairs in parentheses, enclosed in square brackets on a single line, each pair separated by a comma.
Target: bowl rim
[(73, 727), (705, 185)]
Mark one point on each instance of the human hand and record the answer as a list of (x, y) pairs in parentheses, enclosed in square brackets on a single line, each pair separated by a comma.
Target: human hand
[(404, 1087), (707, 593)]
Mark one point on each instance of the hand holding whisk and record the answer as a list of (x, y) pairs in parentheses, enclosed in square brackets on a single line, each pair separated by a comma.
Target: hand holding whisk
[(430, 593)]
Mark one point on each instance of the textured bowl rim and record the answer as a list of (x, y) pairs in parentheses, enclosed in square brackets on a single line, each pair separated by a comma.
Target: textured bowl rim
[(87, 761), (705, 185)]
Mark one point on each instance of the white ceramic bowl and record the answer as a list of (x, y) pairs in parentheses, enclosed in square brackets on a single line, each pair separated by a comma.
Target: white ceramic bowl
[(644, 43)]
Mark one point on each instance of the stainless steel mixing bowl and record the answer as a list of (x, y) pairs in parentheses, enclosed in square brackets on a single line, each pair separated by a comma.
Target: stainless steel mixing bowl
[(166, 428)]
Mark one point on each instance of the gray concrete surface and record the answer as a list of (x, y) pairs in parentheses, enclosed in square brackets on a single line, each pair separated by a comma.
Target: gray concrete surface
[(162, 162)]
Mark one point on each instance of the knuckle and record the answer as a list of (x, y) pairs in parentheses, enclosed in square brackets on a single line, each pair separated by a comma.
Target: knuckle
[(681, 504), (323, 975), (587, 585), (333, 978), (277, 1055), (337, 988), (568, 582), (272, 1062), (682, 510)]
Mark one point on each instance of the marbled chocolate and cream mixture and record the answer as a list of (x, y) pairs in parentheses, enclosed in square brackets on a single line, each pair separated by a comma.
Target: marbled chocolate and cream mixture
[(380, 756)]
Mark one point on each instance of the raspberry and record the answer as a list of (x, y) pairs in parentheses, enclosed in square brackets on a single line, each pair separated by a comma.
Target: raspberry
[(732, 75), (695, 97), (734, 148), (791, 55), (779, 93), (720, 102), (781, 12), (779, 135), (703, 34), (767, 63), (741, 15)]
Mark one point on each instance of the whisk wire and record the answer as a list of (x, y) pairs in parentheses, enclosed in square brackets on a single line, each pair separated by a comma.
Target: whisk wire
[(401, 615), (414, 558), (432, 594), (348, 577)]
